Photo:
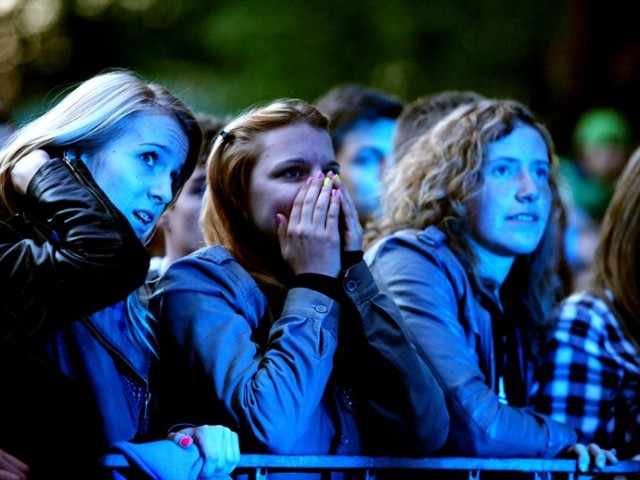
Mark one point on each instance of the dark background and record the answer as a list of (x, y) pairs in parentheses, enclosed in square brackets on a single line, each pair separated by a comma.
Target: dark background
[(560, 57)]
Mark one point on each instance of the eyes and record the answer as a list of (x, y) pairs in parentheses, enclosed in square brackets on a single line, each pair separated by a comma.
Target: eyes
[(369, 157), (539, 171), (300, 172), (150, 158)]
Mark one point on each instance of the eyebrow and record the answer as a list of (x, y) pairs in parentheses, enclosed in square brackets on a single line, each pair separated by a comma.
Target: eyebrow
[(157, 145), (296, 161)]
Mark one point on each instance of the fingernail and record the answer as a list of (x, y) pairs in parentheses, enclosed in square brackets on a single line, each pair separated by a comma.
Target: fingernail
[(319, 175), (331, 174), (334, 192), (327, 181), (309, 180), (338, 177), (186, 441)]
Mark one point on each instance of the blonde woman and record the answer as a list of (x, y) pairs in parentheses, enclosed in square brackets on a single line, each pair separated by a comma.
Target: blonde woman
[(80, 190)]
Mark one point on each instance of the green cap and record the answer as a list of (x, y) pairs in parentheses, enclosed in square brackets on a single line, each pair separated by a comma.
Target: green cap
[(602, 126)]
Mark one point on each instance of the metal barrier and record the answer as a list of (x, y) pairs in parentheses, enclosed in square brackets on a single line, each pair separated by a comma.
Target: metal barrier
[(259, 466)]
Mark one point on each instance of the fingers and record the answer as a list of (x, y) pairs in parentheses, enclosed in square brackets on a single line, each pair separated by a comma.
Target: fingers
[(592, 455), (220, 449), (296, 208), (181, 438), (316, 202), (282, 223), (598, 458), (310, 238), (353, 232), (583, 456), (24, 170)]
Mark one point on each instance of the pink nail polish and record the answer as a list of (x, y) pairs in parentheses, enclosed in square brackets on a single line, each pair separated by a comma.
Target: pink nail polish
[(309, 180), (319, 175), (186, 441)]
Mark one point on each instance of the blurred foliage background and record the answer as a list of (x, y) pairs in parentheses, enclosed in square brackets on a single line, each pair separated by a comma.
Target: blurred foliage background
[(559, 57)]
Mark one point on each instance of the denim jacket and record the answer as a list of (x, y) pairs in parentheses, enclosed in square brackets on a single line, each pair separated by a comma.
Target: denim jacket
[(452, 331), (280, 381)]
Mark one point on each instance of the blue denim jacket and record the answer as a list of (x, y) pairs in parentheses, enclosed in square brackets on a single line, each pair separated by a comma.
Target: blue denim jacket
[(452, 332), (97, 354), (276, 381)]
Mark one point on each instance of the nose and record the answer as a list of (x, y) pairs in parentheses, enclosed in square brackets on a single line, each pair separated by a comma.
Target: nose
[(528, 188), (161, 191)]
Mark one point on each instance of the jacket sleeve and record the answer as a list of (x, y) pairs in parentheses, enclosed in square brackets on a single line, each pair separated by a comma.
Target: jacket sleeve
[(406, 404), (433, 310), (213, 314), (71, 253)]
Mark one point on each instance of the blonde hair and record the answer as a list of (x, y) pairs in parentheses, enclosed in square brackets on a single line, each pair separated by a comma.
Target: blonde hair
[(89, 116), (439, 176), (615, 266), (225, 219), (92, 114)]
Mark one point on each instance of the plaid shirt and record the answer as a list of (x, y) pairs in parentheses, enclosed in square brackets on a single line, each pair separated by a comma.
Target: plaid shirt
[(590, 376)]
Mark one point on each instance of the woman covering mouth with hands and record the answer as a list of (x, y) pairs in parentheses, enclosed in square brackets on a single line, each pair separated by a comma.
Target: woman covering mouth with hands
[(277, 329)]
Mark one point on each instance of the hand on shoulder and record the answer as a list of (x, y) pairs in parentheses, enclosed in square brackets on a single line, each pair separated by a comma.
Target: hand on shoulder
[(24, 170)]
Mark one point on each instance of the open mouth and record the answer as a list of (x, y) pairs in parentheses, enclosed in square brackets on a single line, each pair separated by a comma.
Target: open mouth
[(524, 217), (143, 216)]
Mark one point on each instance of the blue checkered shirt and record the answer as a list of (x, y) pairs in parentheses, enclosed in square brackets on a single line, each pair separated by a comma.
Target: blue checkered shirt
[(590, 376)]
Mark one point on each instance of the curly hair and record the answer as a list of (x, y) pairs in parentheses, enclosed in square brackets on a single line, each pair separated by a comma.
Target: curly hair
[(439, 176)]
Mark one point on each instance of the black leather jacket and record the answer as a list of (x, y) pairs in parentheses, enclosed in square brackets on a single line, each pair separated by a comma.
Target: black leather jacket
[(69, 253)]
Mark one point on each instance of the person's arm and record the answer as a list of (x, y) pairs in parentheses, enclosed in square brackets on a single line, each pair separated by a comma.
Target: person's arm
[(406, 406), (84, 256), (267, 391), (578, 379), (480, 425)]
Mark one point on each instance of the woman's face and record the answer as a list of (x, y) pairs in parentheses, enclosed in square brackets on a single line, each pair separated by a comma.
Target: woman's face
[(137, 169), (510, 213), (290, 155)]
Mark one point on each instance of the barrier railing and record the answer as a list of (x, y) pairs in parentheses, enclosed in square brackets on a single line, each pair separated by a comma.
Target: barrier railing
[(259, 466)]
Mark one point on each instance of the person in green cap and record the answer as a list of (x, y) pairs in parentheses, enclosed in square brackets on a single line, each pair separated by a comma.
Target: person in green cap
[(602, 140)]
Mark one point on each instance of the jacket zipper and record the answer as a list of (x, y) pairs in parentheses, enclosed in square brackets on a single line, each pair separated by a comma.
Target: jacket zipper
[(85, 183)]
